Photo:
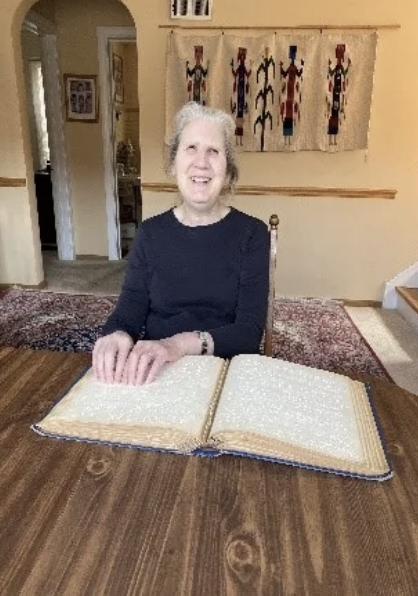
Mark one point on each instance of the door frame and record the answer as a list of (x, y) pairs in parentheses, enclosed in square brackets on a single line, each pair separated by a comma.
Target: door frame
[(104, 36), (64, 223)]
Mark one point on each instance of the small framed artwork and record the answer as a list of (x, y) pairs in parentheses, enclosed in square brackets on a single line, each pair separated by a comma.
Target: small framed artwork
[(191, 9), (81, 99), (117, 70)]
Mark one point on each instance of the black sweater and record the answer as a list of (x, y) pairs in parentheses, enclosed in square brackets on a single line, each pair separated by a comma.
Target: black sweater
[(211, 278)]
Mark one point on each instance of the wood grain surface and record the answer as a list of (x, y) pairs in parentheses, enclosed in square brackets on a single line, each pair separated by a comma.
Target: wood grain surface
[(79, 518)]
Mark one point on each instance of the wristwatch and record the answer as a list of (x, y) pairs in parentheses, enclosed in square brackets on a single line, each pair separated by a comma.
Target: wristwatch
[(203, 336)]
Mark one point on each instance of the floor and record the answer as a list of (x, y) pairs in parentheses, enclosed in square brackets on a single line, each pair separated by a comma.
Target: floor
[(391, 338), (87, 275), (394, 342)]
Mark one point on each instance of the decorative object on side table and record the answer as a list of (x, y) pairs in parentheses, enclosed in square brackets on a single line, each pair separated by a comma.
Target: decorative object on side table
[(126, 157)]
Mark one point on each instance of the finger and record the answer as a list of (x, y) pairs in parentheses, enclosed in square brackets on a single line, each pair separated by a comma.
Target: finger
[(131, 362), (121, 360), (124, 378), (109, 363), (154, 369), (99, 362), (96, 357), (95, 361), (131, 367), (144, 364)]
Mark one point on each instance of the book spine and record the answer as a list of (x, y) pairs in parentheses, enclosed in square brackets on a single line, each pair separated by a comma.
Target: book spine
[(214, 402)]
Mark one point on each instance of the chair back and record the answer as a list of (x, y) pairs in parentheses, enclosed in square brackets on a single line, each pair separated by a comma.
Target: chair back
[(268, 336)]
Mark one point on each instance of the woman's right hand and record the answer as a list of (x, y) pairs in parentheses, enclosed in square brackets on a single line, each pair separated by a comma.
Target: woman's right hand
[(110, 354)]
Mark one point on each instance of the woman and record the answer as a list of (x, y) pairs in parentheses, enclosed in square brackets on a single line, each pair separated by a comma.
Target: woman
[(197, 278)]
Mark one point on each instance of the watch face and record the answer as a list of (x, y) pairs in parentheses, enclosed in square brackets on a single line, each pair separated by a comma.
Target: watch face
[(203, 336), (204, 339)]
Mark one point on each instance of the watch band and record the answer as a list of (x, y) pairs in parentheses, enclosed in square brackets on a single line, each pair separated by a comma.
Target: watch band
[(203, 336)]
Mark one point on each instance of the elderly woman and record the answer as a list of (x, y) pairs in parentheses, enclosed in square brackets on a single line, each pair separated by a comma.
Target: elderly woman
[(197, 277)]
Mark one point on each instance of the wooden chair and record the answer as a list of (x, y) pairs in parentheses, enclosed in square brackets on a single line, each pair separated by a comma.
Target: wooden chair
[(268, 335)]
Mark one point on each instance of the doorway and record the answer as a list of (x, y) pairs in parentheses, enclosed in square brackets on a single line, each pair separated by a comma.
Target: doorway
[(42, 78), (41, 155), (125, 135), (117, 50), (86, 183)]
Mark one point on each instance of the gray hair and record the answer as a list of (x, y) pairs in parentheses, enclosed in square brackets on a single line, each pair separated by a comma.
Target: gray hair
[(191, 111)]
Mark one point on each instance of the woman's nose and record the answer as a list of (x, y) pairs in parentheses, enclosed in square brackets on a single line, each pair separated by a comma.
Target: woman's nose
[(201, 158)]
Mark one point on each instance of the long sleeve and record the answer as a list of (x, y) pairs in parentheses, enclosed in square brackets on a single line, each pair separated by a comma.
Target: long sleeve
[(244, 334), (212, 278), (132, 306)]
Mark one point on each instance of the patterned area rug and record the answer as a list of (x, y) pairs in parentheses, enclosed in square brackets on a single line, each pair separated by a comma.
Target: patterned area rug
[(308, 331), (320, 333), (52, 321)]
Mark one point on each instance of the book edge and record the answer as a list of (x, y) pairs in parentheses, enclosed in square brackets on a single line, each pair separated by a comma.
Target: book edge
[(379, 428), (295, 464), (210, 452), (80, 439)]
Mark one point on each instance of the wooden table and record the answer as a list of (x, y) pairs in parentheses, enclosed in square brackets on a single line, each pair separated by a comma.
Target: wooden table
[(77, 518)]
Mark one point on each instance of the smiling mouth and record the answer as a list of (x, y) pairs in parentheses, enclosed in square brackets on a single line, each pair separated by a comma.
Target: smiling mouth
[(200, 179)]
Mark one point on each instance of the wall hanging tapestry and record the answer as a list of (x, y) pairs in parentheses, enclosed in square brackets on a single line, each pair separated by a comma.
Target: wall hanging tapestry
[(286, 92)]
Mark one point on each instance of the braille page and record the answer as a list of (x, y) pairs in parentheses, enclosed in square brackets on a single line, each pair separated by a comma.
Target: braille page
[(287, 411), (168, 413)]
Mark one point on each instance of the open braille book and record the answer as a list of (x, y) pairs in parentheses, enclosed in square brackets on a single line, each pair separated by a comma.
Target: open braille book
[(253, 406)]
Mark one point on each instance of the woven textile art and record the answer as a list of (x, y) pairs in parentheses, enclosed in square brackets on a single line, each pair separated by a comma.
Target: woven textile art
[(286, 92), (308, 331)]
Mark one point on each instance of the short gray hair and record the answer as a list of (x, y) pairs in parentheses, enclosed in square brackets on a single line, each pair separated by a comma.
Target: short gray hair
[(191, 111)]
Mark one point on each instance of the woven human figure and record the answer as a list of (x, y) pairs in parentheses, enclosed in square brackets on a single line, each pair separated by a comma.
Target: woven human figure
[(196, 77), (337, 87), (290, 95), (240, 90)]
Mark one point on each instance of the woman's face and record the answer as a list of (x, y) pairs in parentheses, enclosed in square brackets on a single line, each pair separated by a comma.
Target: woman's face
[(200, 164)]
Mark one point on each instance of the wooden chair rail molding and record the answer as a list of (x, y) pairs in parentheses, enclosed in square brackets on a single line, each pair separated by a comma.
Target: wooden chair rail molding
[(387, 26), (12, 182), (291, 191)]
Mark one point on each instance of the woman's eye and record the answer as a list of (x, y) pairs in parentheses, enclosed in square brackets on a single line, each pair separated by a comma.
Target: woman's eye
[(190, 147), (213, 151)]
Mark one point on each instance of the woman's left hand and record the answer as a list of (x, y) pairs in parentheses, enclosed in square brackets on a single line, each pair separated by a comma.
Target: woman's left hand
[(147, 357)]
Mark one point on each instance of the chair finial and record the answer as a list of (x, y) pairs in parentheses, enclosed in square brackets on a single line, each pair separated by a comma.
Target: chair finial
[(274, 221)]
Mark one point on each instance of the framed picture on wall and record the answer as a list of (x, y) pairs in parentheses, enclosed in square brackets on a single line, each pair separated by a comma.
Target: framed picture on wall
[(81, 99), (117, 70)]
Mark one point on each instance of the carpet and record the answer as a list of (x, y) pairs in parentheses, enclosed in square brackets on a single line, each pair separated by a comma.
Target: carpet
[(44, 320), (309, 331), (320, 333)]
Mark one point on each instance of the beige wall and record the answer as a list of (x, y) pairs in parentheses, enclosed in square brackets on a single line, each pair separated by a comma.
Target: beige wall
[(328, 246), (19, 232)]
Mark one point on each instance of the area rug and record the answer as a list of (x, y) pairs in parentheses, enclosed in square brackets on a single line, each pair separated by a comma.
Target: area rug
[(44, 320), (308, 331), (320, 333)]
